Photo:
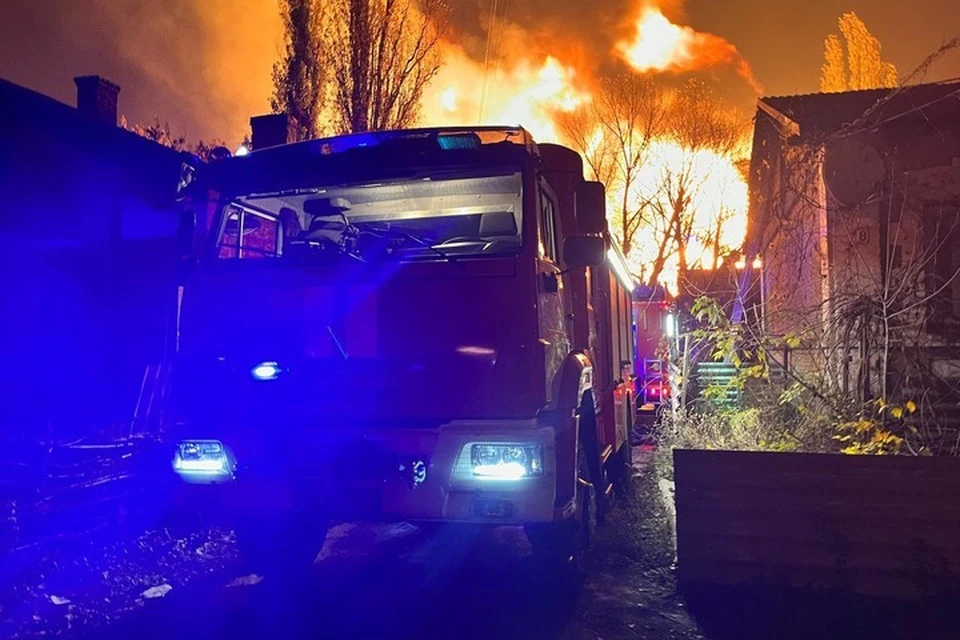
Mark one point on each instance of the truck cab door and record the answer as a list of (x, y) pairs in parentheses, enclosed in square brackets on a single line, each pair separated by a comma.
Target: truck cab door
[(553, 332)]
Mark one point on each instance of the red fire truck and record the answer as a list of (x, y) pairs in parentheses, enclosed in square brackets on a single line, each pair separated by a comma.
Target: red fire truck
[(422, 325), (654, 321)]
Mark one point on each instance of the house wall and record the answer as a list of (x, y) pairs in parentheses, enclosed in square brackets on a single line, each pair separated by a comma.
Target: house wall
[(794, 258), (88, 262), (843, 230)]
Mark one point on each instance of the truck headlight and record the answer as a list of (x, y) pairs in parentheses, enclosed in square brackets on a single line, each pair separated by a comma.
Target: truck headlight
[(202, 458), (507, 461)]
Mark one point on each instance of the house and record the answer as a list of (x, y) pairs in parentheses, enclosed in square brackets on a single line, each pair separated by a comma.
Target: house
[(87, 226), (855, 215)]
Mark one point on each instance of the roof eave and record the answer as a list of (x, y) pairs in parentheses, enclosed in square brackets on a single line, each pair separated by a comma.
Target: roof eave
[(787, 125)]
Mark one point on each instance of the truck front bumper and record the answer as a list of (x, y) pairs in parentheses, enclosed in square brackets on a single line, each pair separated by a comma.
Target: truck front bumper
[(392, 474)]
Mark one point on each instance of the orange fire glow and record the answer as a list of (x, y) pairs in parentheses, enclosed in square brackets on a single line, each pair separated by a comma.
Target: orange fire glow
[(529, 94), (531, 91), (660, 45), (718, 195)]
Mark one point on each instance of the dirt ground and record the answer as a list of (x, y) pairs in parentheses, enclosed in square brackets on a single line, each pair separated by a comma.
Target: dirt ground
[(630, 590), (399, 581), (369, 580)]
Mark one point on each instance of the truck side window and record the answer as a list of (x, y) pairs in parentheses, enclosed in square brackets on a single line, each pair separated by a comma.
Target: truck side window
[(248, 236), (548, 236)]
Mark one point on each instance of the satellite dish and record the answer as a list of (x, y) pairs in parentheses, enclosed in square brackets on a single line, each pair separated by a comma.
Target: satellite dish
[(853, 171)]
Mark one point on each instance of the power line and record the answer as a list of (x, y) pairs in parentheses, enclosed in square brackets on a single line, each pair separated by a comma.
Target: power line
[(491, 29)]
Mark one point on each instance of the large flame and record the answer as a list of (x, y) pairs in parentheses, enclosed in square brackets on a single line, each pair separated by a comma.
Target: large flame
[(532, 91), (718, 199), (528, 94), (660, 45)]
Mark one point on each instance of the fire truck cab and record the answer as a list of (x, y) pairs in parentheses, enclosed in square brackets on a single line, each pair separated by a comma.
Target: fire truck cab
[(424, 325)]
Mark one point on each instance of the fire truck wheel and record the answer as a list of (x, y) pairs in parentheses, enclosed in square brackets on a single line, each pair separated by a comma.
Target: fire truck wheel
[(560, 546), (284, 542)]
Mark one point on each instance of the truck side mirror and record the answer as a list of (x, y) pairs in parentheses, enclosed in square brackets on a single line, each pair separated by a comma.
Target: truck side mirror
[(584, 251), (591, 207)]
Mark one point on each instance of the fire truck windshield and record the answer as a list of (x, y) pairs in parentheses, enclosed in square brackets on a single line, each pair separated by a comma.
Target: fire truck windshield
[(475, 213)]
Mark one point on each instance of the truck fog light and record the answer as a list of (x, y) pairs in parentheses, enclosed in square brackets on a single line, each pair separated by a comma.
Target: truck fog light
[(507, 461), (201, 458)]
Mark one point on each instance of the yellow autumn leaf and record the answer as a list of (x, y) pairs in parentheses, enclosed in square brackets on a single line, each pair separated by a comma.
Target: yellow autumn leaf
[(897, 412), (911, 406)]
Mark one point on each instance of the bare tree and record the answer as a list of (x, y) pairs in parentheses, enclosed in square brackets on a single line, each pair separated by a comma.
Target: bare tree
[(648, 147), (852, 60), (159, 131), (299, 76), (584, 133), (633, 112), (705, 133), (614, 134), (381, 54)]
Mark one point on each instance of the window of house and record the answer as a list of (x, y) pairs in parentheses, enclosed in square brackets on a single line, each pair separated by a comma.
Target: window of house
[(942, 235)]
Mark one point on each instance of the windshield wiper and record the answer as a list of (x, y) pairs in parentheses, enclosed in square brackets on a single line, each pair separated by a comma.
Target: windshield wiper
[(387, 231), (312, 249)]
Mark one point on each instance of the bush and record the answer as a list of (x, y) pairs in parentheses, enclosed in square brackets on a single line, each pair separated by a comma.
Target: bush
[(768, 427)]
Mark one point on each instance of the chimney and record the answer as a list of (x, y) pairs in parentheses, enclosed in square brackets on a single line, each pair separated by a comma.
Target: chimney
[(97, 99), (272, 130)]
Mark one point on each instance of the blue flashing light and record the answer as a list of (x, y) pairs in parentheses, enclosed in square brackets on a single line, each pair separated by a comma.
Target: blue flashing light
[(266, 371), (459, 141)]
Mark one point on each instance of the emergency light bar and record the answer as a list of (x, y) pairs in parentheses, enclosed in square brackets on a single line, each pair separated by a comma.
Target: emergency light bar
[(443, 138)]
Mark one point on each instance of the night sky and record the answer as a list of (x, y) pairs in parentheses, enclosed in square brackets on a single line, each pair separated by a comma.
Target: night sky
[(204, 65)]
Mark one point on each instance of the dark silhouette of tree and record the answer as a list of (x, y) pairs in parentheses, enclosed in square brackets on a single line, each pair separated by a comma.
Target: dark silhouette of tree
[(381, 54), (161, 133), (299, 76)]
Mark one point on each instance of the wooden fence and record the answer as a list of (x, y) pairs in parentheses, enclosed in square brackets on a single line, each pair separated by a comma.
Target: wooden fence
[(876, 525)]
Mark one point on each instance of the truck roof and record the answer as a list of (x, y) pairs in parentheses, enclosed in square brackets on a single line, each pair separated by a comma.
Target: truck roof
[(284, 163), (446, 137)]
